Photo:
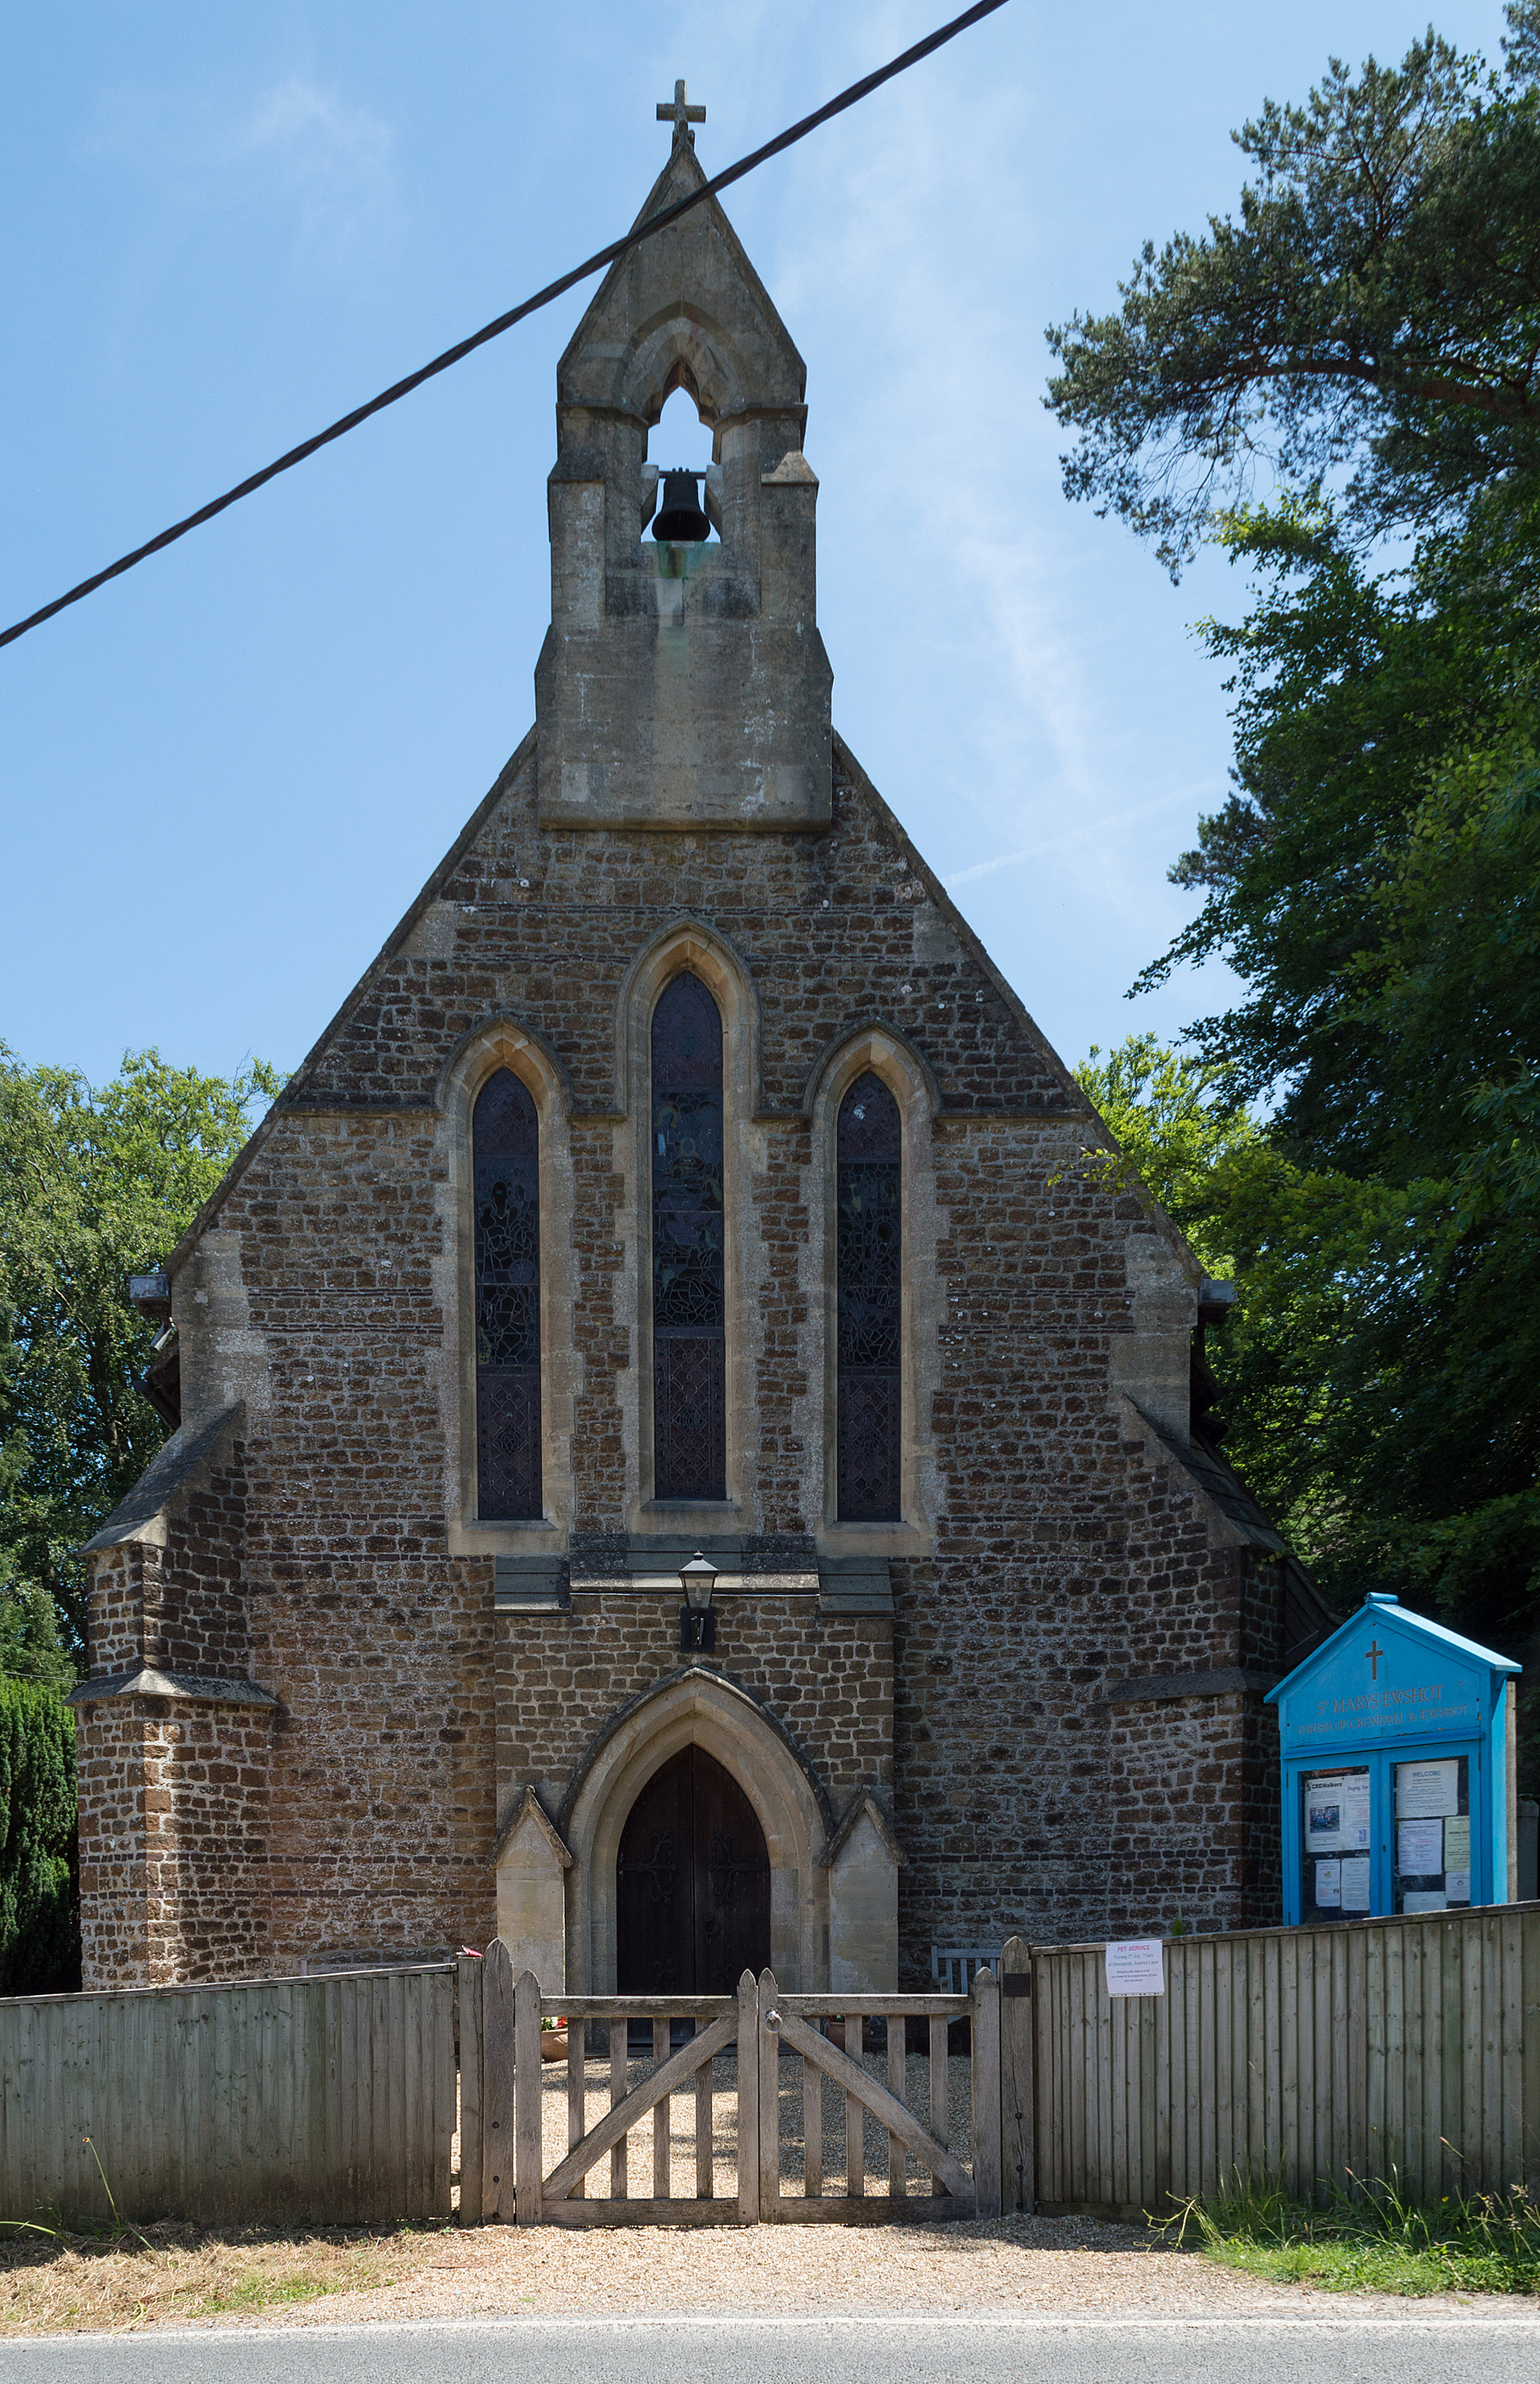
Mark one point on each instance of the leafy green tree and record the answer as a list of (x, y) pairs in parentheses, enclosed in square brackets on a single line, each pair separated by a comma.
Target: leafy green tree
[(1372, 311), (40, 1934), (1375, 880), (1378, 1377), (29, 1645), (95, 1183), (1368, 334), (1185, 1134)]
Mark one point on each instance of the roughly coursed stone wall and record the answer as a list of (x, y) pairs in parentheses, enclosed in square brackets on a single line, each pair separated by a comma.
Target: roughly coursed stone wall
[(827, 1679), (1061, 1550)]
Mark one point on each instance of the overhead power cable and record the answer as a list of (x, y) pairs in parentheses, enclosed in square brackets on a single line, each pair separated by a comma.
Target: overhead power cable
[(552, 290)]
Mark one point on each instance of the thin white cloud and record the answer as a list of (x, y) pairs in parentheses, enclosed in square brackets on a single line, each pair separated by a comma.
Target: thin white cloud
[(1088, 829), (296, 148), (333, 155)]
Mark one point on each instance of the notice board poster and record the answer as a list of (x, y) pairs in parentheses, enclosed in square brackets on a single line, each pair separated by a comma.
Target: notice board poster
[(1335, 1833), (1433, 1833)]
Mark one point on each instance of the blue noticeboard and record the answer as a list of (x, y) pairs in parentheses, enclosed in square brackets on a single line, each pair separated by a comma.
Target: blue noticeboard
[(1395, 1739)]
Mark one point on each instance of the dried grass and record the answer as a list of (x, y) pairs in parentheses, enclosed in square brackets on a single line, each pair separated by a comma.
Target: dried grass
[(83, 2283)]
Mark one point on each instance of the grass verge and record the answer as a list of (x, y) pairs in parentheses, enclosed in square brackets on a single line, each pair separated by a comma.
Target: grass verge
[(52, 2279), (1376, 2242)]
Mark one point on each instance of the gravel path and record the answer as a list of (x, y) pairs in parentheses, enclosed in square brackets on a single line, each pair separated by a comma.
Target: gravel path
[(1031, 2267), (1035, 2267)]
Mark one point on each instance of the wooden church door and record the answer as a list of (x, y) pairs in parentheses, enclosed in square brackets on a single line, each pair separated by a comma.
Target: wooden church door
[(692, 1884)]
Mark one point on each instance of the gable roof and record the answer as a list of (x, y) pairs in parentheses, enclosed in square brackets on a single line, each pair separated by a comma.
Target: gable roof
[(1075, 1102), (290, 1096), (293, 1096), (1389, 1614)]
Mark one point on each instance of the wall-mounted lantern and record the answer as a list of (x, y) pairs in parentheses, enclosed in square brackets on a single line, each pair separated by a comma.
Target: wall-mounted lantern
[(697, 1622)]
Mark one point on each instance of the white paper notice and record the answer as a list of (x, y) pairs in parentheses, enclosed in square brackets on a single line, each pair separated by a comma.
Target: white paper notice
[(1457, 1843), (1424, 1899), (1457, 1886), (1328, 1884), (1424, 1789), (1324, 1812), (1355, 1811), (1354, 1883), (1419, 1849), (1136, 1966)]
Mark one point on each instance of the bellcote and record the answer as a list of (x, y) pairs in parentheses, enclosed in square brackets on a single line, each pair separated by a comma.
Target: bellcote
[(683, 685)]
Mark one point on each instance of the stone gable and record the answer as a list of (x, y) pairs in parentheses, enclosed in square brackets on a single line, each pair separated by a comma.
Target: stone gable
[(326, 1685)]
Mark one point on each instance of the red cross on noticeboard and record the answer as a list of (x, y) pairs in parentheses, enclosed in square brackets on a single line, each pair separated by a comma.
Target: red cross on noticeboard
[(1372, 1656)]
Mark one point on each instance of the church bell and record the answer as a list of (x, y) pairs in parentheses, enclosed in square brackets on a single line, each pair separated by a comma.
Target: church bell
[(679, 519)]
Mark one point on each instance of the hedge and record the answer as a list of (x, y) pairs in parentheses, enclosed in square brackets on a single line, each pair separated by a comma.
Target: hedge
[(40, 1923)]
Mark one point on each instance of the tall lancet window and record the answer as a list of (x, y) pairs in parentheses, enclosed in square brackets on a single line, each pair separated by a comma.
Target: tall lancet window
[(870, 1255), (690, 1358), (505, 1144)]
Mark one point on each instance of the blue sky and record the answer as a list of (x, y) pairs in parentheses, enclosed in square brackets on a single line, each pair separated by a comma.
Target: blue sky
[(223, 778)]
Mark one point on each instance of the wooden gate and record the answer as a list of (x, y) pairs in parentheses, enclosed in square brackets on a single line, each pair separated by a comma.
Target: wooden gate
[(788, 2024), (755, 2069)]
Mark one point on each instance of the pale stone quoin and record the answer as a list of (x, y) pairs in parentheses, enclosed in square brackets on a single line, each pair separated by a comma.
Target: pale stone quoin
[(385, 1648)]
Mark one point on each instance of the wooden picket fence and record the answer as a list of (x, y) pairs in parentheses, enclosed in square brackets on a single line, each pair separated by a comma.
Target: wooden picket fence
[(324, 2100), (1310, 2057)]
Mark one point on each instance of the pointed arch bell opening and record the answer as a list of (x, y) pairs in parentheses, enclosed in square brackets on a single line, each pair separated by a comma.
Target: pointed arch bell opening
[(506, 1157)]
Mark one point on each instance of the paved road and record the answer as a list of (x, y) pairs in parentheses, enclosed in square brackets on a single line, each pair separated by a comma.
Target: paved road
[(866, 2350)]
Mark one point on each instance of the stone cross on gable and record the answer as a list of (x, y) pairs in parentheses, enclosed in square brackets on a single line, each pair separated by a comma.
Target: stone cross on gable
[(678, 113)]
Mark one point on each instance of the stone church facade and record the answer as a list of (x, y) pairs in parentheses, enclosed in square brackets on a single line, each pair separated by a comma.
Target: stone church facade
[(682, 1177)]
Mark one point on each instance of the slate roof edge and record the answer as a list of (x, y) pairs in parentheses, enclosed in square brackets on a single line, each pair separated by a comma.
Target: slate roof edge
[(289, 1098), (162, 1478), (151, 1681), (1164, 1688), (1251, 1524)]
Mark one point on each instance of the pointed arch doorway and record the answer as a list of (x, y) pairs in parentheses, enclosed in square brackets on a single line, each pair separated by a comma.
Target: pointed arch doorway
[(692, 1883)]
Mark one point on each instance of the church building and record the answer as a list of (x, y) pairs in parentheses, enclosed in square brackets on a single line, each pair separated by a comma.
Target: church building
[(692, 1447)]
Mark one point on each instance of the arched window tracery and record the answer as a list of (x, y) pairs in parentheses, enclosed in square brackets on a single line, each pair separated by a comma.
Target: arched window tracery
[(688, 1247), (505, 1155), (869, 1260)]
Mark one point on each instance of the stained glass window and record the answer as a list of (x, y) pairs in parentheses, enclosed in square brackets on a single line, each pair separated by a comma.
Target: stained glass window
[(505, 1142), (869, 1256), (689, 1457)]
